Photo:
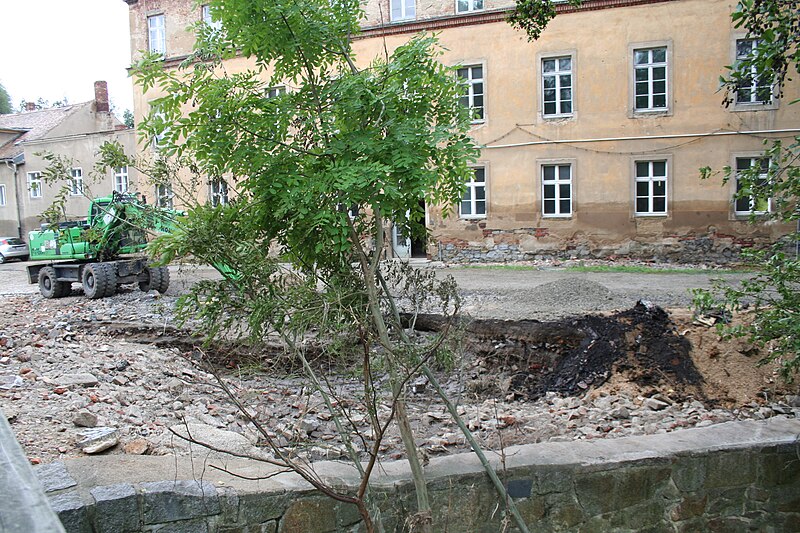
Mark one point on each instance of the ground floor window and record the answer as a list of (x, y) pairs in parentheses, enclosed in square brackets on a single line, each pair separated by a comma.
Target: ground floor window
[(2, 195), (557, 190), (164, 196), (651, 187), (746, 203), (218, 192), (473, 203)]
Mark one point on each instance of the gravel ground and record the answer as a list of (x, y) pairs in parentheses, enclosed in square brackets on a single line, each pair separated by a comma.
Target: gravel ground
[(64, 369)]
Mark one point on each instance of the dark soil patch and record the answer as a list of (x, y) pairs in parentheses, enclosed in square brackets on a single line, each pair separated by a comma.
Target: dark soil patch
[(572, 355)]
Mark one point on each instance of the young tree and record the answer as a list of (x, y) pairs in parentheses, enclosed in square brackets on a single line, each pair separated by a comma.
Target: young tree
[(323, 151), (774, 26)]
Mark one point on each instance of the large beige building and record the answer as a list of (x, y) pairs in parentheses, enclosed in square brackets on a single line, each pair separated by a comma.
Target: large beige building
[(592, 136), (76, 131)]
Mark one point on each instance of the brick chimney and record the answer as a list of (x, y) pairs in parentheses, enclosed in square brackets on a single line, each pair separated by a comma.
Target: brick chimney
[(101, 96), (30, 106)]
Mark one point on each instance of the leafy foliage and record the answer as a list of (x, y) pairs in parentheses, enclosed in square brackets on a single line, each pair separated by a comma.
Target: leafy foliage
[(532, 16), (5, 101), (774, 292)]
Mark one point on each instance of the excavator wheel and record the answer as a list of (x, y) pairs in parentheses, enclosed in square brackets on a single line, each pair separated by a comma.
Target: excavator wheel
[(96, 279), (157, 280), (49, 286)]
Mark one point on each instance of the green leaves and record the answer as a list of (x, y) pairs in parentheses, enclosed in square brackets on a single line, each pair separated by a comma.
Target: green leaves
[(532, 16)]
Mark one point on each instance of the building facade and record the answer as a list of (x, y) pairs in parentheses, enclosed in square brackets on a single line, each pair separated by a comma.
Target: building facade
[(75, 131), (592, 136)]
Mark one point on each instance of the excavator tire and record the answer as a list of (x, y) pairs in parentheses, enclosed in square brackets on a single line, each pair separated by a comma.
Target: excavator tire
[(49, 286), (111, 276), (96, 278), (155, 279)]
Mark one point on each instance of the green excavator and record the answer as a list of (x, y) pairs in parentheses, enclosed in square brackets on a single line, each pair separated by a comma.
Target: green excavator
[(103, 251)]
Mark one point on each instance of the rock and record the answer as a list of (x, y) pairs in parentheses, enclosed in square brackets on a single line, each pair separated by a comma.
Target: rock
[(85, 419), (81, 380), (793, 400), (218, 439), (98, 439), (621, 413), (136, 447), (655, 405), (5, 360)]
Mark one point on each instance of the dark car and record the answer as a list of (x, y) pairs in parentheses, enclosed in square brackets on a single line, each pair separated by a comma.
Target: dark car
[(13, 248)]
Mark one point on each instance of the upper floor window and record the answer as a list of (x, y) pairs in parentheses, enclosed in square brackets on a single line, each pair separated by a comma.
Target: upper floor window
[(35, 184), (121, 179), (650, 79), (403, 9), (651, 187), (473, 99), (745, 202), (76, 182), (164, 196), (208, 20), (157, 34), (752, 89), (557, 86), (473, 203), (218, 192), (465, 6), (2, 195), (557, 190)]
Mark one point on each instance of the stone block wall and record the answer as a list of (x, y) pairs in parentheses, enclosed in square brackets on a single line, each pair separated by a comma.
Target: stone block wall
[(737, 476)]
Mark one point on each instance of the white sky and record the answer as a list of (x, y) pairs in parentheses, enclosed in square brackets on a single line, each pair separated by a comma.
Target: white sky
[(55, 48)]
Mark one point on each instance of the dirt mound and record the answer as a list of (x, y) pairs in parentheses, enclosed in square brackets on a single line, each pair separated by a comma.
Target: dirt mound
[(570, 289)]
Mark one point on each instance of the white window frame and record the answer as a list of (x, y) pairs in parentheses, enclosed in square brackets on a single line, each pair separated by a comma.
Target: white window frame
[(35, 184), (164, 195), (556, 75), (76, 182), (556, 183), (650, 66), (218, 192), (755, 159), (121, 183), (157, 34), (275, 91), (650, 178), (2, 195), (402, 10), (471, 196), (752, 104), (208, 20), (469, 98), (472, 6)]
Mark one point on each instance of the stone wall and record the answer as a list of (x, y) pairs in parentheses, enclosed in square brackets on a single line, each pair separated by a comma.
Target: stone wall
[(737, 476), (520, 245)]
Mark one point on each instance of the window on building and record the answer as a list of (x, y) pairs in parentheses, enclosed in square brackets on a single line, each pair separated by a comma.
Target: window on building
[(473, 98), (2, 195), (752, 89), (465, 6), (473, 203), (651, 187), (164, 196), (403, 9), (748, 204), (557, 86), (76, 182), (157, 34), (209, 20), (121, 179), (218, 192), (557, 190), (272, 92), (35, 184), (650, 79)]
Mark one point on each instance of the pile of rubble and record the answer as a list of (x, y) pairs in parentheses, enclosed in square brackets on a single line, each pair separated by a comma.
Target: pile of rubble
[(71, 384)]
